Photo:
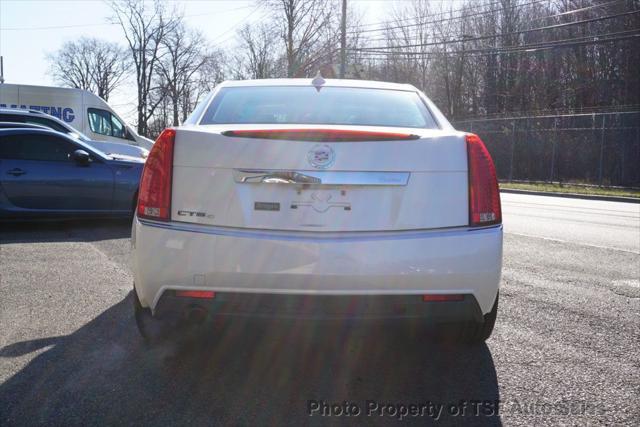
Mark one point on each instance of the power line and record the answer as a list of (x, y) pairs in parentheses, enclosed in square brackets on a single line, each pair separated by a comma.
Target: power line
[(520, 49), (463, 16), (219, 38), (534, 47), (436, 14), (56, 27), (582, 9), (544, 17), (480, 6), (530, 30), (219, 11), (438, 21)]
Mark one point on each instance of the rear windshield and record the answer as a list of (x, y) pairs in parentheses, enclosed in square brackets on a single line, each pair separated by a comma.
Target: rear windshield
[(329, 105)]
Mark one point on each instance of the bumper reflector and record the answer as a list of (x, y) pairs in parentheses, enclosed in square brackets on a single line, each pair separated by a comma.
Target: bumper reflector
[(443, 297), (196, 294)]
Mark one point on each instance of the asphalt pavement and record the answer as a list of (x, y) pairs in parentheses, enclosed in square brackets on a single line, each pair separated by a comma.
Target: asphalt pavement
[(564, 351), (612, 225)]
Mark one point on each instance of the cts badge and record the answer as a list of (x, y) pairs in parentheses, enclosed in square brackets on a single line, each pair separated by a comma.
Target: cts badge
[(321, 156), (195, 213)]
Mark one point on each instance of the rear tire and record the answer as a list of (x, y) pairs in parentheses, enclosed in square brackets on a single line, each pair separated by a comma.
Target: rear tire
[(155, 331), (151, 329), (134, 205), (469, 332)]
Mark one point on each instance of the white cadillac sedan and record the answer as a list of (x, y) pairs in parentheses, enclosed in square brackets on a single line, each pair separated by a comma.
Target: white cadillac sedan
[(318, 199)]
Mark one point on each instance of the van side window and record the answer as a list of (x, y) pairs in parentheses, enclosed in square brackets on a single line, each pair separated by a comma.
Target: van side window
[(104, 123), (117, 128)]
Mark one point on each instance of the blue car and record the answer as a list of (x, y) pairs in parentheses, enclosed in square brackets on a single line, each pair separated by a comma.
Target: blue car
[(47, 174)]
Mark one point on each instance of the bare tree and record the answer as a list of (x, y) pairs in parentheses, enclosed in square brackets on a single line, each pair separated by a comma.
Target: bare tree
[(179, 65), (71, 65), (513, 56), (212, 72), (188, 89), (111, 65), (89, 64), (473, 57), (257, 57), (355, 62), (302, 24), (408, 28), (209, 75), (146, 27)]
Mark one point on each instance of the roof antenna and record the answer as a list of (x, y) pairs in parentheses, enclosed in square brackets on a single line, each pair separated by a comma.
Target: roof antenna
[(318, 81)]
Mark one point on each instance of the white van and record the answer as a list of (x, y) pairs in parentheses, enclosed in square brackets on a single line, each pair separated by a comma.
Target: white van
[(81, 109)]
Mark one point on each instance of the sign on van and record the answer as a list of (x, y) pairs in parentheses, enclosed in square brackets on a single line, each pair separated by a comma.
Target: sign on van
[(63, 113)]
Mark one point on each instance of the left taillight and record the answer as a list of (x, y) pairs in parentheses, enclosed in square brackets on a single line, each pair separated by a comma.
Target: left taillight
[(154, 196)]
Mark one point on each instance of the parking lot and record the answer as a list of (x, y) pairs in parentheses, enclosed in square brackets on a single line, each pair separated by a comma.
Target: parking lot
[(565, 348)]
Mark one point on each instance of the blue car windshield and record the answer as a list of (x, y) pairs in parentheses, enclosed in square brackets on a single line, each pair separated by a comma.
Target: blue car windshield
[(327, 106)]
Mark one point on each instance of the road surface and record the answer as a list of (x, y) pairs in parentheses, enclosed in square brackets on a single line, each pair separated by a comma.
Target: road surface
[(614, 225), (565, 348)]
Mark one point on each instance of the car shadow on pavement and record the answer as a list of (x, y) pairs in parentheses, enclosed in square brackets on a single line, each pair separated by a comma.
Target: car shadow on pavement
[(87, 230), (245, 372)]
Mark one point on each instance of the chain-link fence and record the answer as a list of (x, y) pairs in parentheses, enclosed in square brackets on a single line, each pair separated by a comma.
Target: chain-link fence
[(598, 148)]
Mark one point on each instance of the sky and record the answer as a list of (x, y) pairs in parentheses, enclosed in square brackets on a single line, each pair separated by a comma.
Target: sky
[(31, 29)]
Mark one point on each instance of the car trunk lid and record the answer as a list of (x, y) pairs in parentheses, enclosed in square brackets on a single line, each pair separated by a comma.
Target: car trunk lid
[(314, 178)]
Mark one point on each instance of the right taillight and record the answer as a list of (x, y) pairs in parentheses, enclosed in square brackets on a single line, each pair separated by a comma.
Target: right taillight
[(484, 194), (154, 196)]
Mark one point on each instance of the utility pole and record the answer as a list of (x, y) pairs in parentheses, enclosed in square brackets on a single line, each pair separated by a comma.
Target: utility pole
[(343, 40), (1, 70)]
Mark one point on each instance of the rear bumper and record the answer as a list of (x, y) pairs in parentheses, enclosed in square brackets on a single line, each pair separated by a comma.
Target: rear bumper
[(173, 256), (321, 307)]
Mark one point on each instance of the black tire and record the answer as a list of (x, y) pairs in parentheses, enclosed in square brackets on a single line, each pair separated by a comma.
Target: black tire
[(155, 331), (134, 205), (469, 332), (152, 330), (484, 330)]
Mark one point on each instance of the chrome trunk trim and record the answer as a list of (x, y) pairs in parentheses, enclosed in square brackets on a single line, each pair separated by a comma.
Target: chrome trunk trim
[(291, 177)]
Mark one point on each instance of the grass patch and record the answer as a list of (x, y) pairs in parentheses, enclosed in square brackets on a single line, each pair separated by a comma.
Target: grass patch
[(569, 188)]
